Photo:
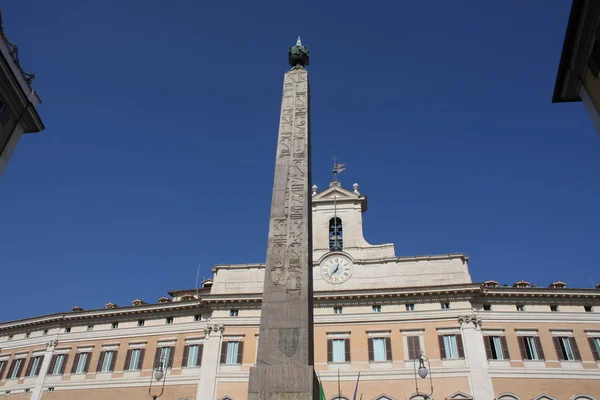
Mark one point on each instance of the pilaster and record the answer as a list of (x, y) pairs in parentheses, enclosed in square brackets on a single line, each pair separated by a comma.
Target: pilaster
[(475, 356), (36, 394), (210, 362)]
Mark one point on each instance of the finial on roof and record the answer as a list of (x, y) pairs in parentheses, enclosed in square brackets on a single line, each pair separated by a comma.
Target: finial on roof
[(299, 41), (315, 189), (355, 187)]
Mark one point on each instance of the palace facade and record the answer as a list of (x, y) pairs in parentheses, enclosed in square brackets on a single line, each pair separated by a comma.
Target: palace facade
[(374, 313)]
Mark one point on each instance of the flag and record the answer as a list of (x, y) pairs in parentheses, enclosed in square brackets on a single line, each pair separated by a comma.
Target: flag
[(356, 388), (321, 392)]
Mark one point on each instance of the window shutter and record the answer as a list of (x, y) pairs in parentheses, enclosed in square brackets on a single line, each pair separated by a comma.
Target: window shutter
[(538, 347), (522, 343), (11, 368), (559, 351), (591, 340), (223, 352), (412, 346), (75, 360), (64, 364), (39, 366), (240, 354), (199, 360), (50, 367), (388, 349), (157, 358), (170, 360), (127, 360), (329, 350), (488, 347), (370, 345), (141, 362), (113, 361), (347, 350), (87, 362), (505, 353), (100, 361), (442, 347), (2, 368), (184, 360), (20, 370), (575, 348), (29, 365), (459, 346)]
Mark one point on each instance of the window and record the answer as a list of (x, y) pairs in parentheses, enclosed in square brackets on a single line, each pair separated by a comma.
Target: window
[(336, 239), (67, 329), (45, 332), (51, 389), (90, 328), (594, 345), (192, 355), (588, 308), (451, 347), (234, 313), (106, 362), (410, 307), (169, 320), (27, 390), (114, 325), (10, 337), (414, 347), (496, 348), (164, 357), (34, 366), (520, 307), (338, 350), (566, 348), (28, 334), (141, 322), (530, 347), (197, 317), (134, 359), (16, 367), (445, 306), (380, 349), (81, 363), (553, 308), (2, 367), (337, 310), (232, 352), (57, 364), (377, 308), (487, 307)]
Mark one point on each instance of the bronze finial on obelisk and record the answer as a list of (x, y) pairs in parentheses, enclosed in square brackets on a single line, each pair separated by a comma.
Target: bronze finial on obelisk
[(284, 364)]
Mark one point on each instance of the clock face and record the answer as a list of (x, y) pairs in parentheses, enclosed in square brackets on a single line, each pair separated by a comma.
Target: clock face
[(336, 269)]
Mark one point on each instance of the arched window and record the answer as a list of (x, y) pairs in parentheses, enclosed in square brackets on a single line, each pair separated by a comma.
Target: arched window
[(582, 397), (508, 396), (336, 239)]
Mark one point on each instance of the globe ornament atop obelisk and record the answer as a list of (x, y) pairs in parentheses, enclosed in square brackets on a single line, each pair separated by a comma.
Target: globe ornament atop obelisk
[(284, 363)]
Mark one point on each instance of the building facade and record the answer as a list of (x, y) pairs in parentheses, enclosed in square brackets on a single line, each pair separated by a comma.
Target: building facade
[(579, 68), (374, 312), (18, 101)]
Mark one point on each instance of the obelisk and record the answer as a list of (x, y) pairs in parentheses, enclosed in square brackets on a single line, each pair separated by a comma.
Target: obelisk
[(284, 364)]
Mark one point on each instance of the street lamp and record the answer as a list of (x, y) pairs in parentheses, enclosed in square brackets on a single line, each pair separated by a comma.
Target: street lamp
[(423, 371), (158, 375)]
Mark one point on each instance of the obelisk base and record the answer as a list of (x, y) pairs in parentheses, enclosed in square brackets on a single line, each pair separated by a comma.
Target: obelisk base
[(283, 383)]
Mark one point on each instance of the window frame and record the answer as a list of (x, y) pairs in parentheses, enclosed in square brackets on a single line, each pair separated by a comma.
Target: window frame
[(525, 349), (490, 348), (101, 359), (77, 360), (225, 350), (30, 372), (387, 348), (460, 351), (157, 356), (561, 350), (330, 350), (52, 366), (140, 359), (186, 352)]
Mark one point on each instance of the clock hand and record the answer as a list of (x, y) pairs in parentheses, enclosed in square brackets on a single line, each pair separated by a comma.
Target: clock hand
[(336, 269)]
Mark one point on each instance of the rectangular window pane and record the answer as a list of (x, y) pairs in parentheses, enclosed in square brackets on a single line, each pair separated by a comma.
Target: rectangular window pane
[(566, 345), (192, 356), (450, 345), (135, 359), (597, 344), (81, 363), (379, 353), (60, 359), (232, 352), (15, 370), (107, 361), (34, 365), (165, 353), (339, 350), (497, 347), (531, 350)]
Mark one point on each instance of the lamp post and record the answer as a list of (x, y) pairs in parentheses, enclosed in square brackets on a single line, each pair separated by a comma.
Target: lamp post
[(423, 372), (158, 375)]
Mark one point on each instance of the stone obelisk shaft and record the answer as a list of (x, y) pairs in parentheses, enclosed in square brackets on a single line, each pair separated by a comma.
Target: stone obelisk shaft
[(284, 365)]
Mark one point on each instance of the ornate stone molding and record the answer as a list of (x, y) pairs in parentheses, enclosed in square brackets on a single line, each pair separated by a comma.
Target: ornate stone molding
[(470, 319), (51, 344), (216, 329)]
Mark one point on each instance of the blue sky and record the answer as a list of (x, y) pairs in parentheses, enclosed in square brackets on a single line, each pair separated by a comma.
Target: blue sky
[(161, 130)]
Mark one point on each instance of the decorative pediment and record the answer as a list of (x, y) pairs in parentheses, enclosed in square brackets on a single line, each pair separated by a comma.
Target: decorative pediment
[(459, 396), (340, 194), (384, 397), (544, 396)]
